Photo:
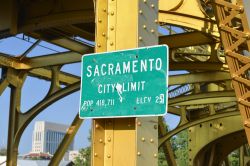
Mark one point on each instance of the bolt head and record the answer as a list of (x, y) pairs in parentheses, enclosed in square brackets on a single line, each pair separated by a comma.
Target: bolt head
[(139, 123), (138, 153)]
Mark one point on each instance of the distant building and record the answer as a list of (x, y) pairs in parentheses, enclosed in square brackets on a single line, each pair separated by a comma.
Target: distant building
[(47, 137)]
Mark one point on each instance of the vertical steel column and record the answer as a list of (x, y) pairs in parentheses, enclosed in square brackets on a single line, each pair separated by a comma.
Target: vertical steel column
[(12, 150), (125, 141)]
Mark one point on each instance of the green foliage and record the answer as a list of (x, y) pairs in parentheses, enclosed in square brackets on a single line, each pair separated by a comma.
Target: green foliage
[(83, 159), (161, 158), (180, 148), (234, 158), (3, 151)]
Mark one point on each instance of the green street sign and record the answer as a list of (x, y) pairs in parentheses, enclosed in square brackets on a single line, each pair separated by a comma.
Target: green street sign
[(127, 83)]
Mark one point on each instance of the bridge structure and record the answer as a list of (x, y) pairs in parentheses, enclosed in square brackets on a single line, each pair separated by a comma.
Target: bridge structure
[(211, 98)]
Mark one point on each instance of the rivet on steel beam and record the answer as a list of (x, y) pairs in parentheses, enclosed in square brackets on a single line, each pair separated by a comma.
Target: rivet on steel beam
[(103, 34), (144, 26), (100, 140), (151, 140), (227, 51), (145, 1), (241, 9), (240, 100), (138, 153), (152, 31), (143, 139), (152, 5), (111, 43), (97, 126), (98, 45), (155, 155), (234, 75), (99, 20), (112, 28), (140, 11), (246, 123), (95, 155), (139, 123), (112, 13), (104, 10), (156, 21), (109, 139), (155, 127), (247, 35), (221, 25), (108, 155), (140, 38)]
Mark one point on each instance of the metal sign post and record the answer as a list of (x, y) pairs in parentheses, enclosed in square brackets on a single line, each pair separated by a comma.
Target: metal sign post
[(125, 24)]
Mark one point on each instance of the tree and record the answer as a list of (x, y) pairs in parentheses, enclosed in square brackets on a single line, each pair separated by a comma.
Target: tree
[(83, 158), (3, 151), (180, 147), (162, 158), (234, 158)]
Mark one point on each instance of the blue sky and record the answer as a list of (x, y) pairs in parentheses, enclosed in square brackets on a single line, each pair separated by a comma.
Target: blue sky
[(35, 89)]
